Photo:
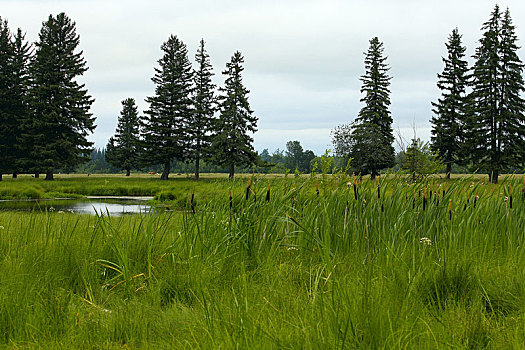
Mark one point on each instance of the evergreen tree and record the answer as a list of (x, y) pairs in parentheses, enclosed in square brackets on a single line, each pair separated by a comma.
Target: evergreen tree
[(232, 143), (450, 109), (122, 150), (372, 134), (62, 120), (7, 118), (419, 160), (165, 127), (201, 123), (14, 109), (497, 123)]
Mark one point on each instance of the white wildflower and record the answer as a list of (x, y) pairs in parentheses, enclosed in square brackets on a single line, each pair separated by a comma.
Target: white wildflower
[(425, 241), (60, 212), (2, 227), (51, 209)]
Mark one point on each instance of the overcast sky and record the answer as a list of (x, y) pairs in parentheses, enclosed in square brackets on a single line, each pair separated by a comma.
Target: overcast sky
[(303, 58)]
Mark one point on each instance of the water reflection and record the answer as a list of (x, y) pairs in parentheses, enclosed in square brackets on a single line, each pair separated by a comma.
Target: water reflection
[(100, 206)]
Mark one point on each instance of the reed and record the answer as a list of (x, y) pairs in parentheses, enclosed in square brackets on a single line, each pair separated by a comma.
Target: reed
[(359, 264)]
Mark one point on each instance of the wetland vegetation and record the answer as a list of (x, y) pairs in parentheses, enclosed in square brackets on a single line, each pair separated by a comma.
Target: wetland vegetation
[(268, 262)]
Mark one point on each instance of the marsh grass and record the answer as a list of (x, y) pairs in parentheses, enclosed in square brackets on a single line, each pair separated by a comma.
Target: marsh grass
[(317, 265)]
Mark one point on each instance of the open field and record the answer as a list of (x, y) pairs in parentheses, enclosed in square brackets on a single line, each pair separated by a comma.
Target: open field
[(331, 262)]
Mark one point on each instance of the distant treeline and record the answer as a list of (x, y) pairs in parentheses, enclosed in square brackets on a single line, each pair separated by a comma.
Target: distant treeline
[(478, 123)]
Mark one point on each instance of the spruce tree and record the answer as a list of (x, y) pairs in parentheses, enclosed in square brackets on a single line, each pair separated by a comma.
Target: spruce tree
[(14, 108), (7, 118), (62, 120), (232, 143), (372, 134), (122, 150), (497, 122), (450, 109), (165, 127), (22, 56), (202, 120)]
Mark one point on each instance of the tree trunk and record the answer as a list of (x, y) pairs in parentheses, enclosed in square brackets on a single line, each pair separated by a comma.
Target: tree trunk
[(15, 175), (166, 171), (197, 162), (448, 170), (37, 176), (493, 176), (128, 171), (49, 175), (1, 176), (232, 171)]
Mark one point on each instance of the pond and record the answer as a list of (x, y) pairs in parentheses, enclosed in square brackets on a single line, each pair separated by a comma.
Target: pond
[(115, 206)]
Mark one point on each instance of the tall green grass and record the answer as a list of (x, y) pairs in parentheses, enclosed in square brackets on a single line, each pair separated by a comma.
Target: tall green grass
[(337, 262)]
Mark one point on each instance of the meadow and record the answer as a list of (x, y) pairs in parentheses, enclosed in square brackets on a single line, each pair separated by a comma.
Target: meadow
[(265, 262)]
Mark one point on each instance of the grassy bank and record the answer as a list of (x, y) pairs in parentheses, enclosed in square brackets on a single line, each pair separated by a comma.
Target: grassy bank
[(326, 263)]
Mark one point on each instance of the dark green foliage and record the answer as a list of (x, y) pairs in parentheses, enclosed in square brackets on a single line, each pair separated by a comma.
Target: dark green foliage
[(201, 122), (450, 109), (122, 150), (497, 122), (296, 158), (419, 160), (62, 121), (368, 140), (451, 283), (165, 127), (14, 108), (232, 143)]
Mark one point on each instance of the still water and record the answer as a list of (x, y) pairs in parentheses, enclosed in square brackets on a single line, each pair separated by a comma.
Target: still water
[(115, 206)]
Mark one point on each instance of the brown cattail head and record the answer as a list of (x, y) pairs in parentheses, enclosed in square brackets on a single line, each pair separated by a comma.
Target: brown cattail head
[(231, 200), (248, 189), (317, 187), (268, 192)]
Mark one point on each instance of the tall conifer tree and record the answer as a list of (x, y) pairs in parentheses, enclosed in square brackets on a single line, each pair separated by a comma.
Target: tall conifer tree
[(62, 119), (165, 127), (22, 103), (450, 109), (123, 149), (202, 121), (497, 123), (232, 143), (7, 119), (372, 134), (14, 109)]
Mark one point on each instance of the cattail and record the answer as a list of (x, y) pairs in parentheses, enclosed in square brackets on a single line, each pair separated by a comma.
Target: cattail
[(317, 188), (450, 209), (356, 191), (191, 200), (378, 189), (231, 200), (475, 200), (268, 192), (424, 200), (248, 189)]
